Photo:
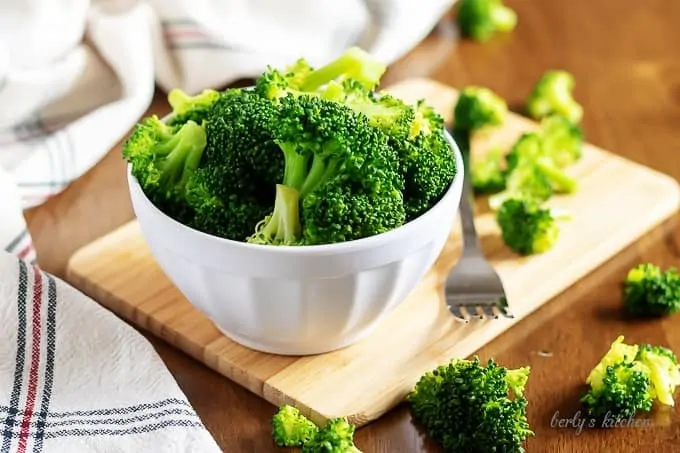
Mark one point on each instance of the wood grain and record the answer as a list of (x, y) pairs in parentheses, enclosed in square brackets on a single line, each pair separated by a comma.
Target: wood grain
[(366, 380), (624, 55)]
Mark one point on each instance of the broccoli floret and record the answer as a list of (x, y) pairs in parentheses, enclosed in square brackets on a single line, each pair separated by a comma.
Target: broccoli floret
[(525, 182), (235, 186), (163, 159), (336, 437), (664, 371), (292, 429), (649, 291), (354, 63), (481, 19), (562, 140), (623, 390), (426, 162), (553, 93), (478, 107), (465, 406), (194, 108), (530, 150), (630, 378), (487, 171), (527, 228), (340, 167)]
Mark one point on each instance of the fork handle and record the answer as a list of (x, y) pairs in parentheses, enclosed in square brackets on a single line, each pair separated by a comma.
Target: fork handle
[(467, 216)]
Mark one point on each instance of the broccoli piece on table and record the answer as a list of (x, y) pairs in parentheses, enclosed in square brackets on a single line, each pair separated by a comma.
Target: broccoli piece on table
[(628, 379), (163, 159), (481, 19), (354, 63), (553, 93), (527, 228), (525, 182), (194, 108), (487, 171), (340, 167), (530, 150), (664, 371), (649, 291), (562, 140), (292, 429), (337, 436), (478, 107), (465, 406)]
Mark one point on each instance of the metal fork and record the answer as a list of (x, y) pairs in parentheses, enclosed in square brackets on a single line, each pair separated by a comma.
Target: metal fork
[(473, 288)]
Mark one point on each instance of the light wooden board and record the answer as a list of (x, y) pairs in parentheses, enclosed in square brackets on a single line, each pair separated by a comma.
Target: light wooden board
[(618, 202)]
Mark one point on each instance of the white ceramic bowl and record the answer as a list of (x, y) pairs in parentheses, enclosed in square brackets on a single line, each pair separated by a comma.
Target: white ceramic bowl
[(298, 300)]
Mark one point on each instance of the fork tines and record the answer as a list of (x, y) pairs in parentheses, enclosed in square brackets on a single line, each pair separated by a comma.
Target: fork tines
[(480, 307)]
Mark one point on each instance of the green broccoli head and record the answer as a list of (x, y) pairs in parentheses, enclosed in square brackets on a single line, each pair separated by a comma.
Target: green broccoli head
[(553, 93), (562, 140), (339, 167), (465, 406), (664, 371), (530, 149), (478, 107), (524, 182), (292, 429), (337, 436), (481, 19), (163, 159), (623, 390), (630, 378), (194, 108), (527, 228), (354, 64), (649, 291)]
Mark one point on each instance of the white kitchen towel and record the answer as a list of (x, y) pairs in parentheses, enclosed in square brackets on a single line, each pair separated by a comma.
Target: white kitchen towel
[(71, 379)]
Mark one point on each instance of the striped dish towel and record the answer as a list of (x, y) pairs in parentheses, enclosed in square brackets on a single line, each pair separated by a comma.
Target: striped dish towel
[(70, 379)]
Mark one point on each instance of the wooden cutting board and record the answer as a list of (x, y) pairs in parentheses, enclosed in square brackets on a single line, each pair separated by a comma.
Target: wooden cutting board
[(619, 201)]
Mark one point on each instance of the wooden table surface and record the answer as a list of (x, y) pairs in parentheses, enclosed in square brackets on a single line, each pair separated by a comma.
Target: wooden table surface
[(626, 61)]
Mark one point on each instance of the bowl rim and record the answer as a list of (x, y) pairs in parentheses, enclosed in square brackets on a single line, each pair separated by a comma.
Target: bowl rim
[(369, 242)]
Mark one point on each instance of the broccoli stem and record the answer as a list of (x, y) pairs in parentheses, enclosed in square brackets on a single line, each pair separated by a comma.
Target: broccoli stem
[(181, 102), (353, 63), (561, 180), (282, 227), (303, 177), (182, 152)]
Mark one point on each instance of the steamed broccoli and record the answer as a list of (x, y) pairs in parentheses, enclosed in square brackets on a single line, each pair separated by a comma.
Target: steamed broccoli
[(524, 182), (163, 159), (629, 378), (338, 167), (553, 93), (337, 436), (478, 107), (481, 19), (530, 149), (562, 140), (416, 133), (649, 291), (465, 406), (300, 77), (527, 228), (292, 429), (194, 108), (487, 172), (234, 188)]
